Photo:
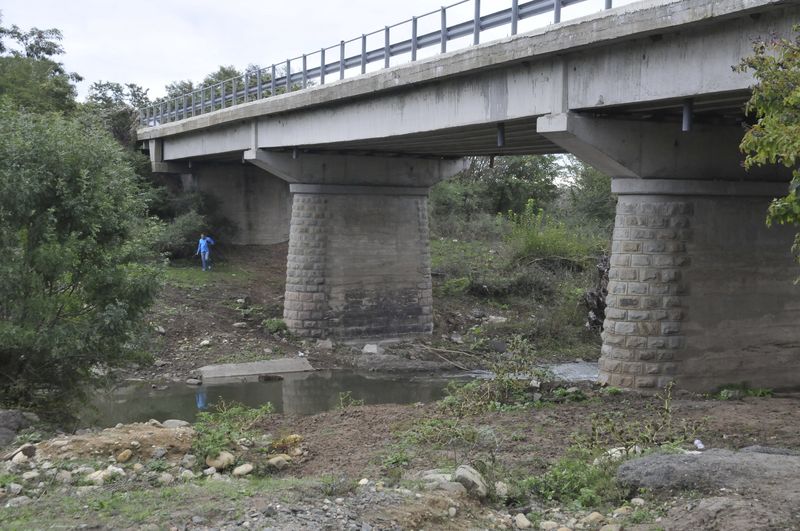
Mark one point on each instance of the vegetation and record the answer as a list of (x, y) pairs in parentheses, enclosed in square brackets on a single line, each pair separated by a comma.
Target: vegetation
[(224, 428), (75, 239), (775, 136)]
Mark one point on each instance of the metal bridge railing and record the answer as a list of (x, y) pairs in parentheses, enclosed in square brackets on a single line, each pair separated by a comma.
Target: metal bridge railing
[(280, 78)]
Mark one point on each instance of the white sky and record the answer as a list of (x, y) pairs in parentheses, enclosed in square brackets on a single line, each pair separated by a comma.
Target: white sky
[(155, 42)]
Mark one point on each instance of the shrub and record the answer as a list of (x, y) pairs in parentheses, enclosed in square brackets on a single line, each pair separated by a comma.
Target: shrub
[(219, 430), (74, 277)]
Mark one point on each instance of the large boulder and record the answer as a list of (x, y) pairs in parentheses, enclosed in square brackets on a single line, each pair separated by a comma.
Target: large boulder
[(472, 480)]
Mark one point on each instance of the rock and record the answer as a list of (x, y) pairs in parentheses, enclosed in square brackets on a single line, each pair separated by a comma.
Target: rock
[(160, 363), (497, 345), (138, 467), (19, 501), (222, 461), (64, 476), (535, 384), (594, 518), (372, 348), (175, 423), (205, 343), (564, 528), (165, 478), (240, 324), (46, 465), (15, 489), (158, 452), (325, 344), (19, 458), (100, 477), (611, 527), (193, 381), (637, 502), (188, 461), (11, 421), (187, 475), (710, 470), (363, 481), (154, 423), (159, 330), (453, 488), (135, 444), (573, 390), (198, 520), (472, 481), (521, 521), (452, 511), (456, 338), (501, 489), (279, 462), (548, 525), (124, 456), (27, 449), (622, 511), (84, 470), (210, 471), (242, 470), (30, 475), (496, 319)]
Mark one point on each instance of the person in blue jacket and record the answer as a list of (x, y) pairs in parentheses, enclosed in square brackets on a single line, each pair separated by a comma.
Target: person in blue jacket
[(204, 250)]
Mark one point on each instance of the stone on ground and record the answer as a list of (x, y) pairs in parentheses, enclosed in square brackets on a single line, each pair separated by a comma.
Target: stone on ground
[(222, 461), (472, 481), (243, 470), (521, 521), (175, 423)]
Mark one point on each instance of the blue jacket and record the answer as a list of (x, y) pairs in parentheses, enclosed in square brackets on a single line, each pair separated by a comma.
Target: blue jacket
[(203, 243)]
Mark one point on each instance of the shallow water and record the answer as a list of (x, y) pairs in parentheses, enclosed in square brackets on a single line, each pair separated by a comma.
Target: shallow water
[(295, 393)]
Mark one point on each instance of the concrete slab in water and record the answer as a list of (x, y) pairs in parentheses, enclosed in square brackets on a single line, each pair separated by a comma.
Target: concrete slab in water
[(254, 368), (576, 372)]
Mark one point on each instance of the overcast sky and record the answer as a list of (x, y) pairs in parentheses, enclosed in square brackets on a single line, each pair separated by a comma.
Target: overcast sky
[(155, 42)]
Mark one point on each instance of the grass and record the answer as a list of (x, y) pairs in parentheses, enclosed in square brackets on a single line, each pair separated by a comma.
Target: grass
[(115, 509), (185, 274)]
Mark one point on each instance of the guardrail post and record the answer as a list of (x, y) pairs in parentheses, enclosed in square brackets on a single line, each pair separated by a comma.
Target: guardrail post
[(608, 4), (222, 95), (556, 11), (363, 53), (443, 31), (234, 92), (259, 85), (413, 38), (202, 100), (514, 16), (322, 66), (386, 47), (305, 75), (341, 60), (185, 105), (476, 28), (288, 75), (272, 81), (246, 87)]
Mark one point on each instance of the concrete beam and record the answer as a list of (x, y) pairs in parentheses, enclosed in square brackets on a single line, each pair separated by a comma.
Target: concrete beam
[(354, 170), (171, 167), (629, 149)]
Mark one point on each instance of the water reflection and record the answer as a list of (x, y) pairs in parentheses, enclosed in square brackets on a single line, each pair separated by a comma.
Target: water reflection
[(295, 393)]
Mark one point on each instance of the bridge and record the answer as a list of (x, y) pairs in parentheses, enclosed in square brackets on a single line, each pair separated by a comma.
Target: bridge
[(700, 290)]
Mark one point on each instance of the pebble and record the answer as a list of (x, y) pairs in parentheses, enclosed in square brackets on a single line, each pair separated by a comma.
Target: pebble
[(521, 521), (279, 462), (222, 461), (622, 511), (637, 502), (30, 475), (363, 481), (19, 501), (124, 456), (166, 478), (548, 525), (187, 475), (594, 518), (210, 471), (193, 381), (138, 467), (240, 324), (188, 461), (175, 423), (452, 511), (19, 458), (158, 452), (611, 527), (243, 470), (14, 488), (205, 343), (64, 476)]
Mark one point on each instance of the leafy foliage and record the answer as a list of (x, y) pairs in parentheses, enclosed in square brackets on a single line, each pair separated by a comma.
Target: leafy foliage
[(775, 137), (73, 236), (220, 430)]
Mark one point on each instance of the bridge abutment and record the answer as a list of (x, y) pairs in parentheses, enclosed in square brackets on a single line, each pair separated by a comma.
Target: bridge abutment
[(359, 262), (700, 290)]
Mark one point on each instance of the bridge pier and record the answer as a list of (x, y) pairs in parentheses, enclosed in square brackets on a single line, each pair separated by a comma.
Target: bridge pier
[(700, 290), (359, 255), (359, 262)]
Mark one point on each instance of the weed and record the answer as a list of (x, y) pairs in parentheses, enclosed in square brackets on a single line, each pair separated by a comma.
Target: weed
[(275, 325), (158, 465), (739, 391), (332, 485), (220, 429), (346, 400)]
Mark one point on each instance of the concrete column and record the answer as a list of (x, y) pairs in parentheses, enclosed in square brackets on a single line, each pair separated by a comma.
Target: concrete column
[(701, 292), (359, 262)]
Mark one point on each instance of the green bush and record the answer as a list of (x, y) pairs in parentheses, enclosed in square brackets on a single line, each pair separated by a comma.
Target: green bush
[(180, 235), (275, 325), (75, 279)]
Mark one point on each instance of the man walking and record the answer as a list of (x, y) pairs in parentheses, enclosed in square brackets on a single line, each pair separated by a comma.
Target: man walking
[(204, 250)]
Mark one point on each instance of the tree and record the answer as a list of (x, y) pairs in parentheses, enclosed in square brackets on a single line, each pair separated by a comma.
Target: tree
[(775, 137), (116, 107), (30, 76), (74, 278)]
